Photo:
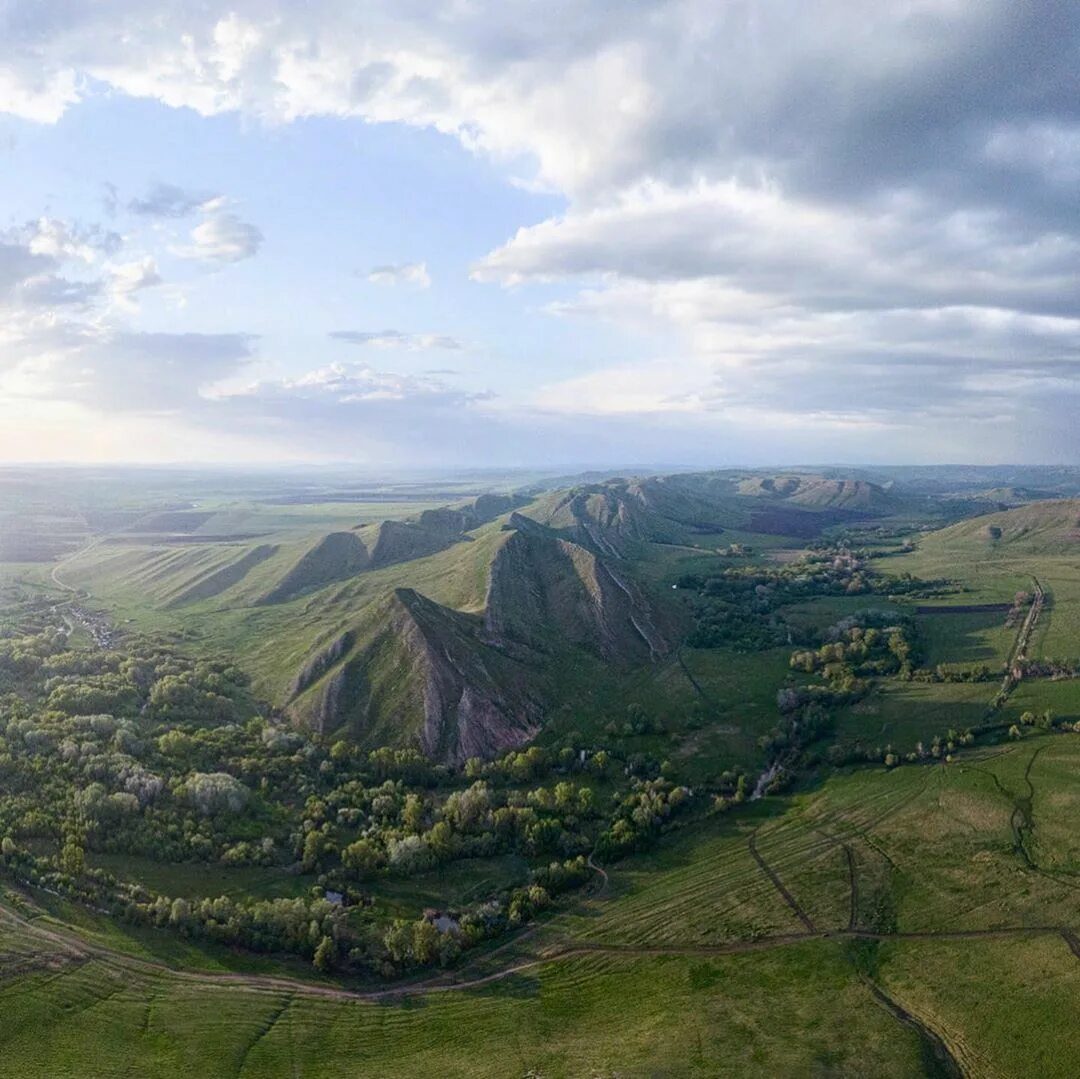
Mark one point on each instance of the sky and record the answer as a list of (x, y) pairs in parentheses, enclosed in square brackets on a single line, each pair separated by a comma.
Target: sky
[(589, 233)]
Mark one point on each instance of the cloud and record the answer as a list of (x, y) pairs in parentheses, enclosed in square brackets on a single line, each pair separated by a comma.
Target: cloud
[(409, 273), (52, 290), (356, 411), (395, 339), (126, 278), (39, 96), (110, 198), (168, 200), (118, 371), (64, 240), (222, 237), (19, 264), (359, 382), (816, 215)]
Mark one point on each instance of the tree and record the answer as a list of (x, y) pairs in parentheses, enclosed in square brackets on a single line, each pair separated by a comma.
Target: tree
[(425, 945), (412, 813), (325, 954), (362, 858), (215, 792), (410, 855), (180, 913), (72, 856), (316, 844), (441, 840)]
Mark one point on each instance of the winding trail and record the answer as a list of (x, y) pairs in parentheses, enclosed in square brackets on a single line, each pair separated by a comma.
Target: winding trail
[(1021, 822), (694, 682), (604, 879), (77, 950), (1021, 819), (1072, 940), (54, 576), (1013, 671)]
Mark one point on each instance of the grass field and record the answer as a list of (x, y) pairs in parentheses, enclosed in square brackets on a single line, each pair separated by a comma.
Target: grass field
[(589, 1015), (705, 956), (1037, 541), (923, 920), (964, 639), (903, 713)]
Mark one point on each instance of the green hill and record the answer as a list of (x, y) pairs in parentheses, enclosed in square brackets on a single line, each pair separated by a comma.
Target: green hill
[(463, 683), (1051, 527), (458, 630), (821, 492)]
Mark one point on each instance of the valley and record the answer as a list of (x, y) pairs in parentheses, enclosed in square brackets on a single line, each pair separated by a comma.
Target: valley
[(594, 771)]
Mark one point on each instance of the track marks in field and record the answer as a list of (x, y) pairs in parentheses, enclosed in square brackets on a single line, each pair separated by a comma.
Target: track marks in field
[(778, 884), (853, 886), (265, 1029), (938, 1060)]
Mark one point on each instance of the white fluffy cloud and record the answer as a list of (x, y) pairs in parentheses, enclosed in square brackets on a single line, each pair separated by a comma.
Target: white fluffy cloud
[(117, 370), (126, 278), (401, 273), (222, 237), (63, 240)]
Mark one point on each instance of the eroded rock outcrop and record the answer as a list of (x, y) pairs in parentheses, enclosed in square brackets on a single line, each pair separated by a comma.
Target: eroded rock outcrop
[(546, 592)]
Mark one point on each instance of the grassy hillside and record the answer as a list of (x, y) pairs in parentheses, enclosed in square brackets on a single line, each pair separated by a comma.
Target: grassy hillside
[(1050, 528), (996, 555)]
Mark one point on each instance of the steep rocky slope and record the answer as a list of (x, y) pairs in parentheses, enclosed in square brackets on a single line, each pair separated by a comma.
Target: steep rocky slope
[(543, 590), (418, 672), (460, 684)]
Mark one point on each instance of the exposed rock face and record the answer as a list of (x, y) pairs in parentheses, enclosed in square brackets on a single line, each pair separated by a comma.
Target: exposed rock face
[(615, 518), (336, 557), (452, 522), (427, 669), (487, 507), (460, 685), (321, 662), (469, 710), (545, 591), (446, 522), (341, 555), (402, 541), (332, 705), (600, 517), (821, 492), (843, 494)]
